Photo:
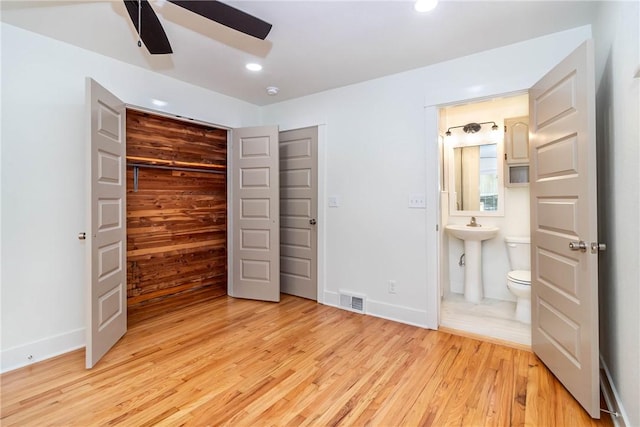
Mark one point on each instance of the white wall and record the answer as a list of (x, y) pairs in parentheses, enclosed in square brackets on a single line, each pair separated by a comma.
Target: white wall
[(617, 35), (376, 136), (43, 179), (514, 220), (375, 157)]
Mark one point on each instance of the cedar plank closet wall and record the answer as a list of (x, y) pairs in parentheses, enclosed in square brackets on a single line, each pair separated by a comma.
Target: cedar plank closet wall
[(177, 219)]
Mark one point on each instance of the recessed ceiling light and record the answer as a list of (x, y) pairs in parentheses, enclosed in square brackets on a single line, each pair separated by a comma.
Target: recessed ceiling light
[(252, 66), (425, 5), (159, 102)]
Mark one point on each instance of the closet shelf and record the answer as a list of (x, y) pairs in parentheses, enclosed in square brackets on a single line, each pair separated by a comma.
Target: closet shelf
[(134, 162), (142, 161)]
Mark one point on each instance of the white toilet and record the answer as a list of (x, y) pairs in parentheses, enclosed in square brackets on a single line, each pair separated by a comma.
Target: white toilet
[(519, 278)]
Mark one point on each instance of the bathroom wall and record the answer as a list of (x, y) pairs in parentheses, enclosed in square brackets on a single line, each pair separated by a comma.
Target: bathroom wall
[(514, 222)]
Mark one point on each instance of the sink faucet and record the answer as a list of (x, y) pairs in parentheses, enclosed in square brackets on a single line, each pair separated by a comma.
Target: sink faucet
[(473, 223)]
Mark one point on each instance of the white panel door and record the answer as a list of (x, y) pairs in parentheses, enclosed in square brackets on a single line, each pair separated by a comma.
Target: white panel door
[(298, 212), (107, 277), (256, 214), (564, 267)]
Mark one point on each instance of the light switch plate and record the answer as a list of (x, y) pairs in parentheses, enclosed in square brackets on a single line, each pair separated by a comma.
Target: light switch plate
[(334, 201), (417, 201)]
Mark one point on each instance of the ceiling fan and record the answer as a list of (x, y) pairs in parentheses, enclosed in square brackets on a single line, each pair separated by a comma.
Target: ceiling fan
[(155, 39)]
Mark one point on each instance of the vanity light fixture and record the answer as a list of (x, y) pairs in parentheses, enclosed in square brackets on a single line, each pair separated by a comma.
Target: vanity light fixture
[(471, 127)]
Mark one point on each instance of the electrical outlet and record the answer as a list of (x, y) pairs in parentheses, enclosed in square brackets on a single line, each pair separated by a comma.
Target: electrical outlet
[(393, 287)]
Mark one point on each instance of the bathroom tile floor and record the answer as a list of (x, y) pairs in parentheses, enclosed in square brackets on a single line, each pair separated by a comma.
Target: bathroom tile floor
[(492, 318)]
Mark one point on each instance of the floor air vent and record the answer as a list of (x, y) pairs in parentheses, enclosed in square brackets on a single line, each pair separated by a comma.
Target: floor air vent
[(352, 302)]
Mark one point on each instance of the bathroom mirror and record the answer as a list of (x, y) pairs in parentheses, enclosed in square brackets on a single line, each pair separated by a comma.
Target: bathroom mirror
[(476, 180)]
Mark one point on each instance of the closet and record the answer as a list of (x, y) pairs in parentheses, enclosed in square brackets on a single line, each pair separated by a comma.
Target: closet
[(176, 207)]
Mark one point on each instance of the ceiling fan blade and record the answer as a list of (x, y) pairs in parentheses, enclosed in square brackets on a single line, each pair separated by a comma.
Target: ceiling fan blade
[(152, 34), (227, 16)]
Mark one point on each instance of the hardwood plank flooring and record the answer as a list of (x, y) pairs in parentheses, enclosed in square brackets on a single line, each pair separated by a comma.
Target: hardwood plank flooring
[(200, 359)]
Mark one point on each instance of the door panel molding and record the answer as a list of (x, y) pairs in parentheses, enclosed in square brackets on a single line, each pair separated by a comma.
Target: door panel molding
[(298, 153), (254, 231), (564, 282), (107, 240)]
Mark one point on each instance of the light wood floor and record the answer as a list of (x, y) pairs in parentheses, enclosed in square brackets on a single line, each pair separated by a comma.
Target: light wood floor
[(222, 361)]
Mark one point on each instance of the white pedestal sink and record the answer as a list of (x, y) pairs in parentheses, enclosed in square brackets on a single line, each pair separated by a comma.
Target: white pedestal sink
[(472, 237)]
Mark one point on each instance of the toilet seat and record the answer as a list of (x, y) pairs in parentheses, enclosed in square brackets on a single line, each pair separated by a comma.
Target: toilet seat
[(522, 277)]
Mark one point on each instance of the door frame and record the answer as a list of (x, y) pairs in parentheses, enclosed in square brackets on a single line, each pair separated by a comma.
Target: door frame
[(434, 256), (321, 203), (172, 116)]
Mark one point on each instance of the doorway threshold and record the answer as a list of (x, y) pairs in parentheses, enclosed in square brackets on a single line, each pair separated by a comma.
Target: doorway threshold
[(492, 319)]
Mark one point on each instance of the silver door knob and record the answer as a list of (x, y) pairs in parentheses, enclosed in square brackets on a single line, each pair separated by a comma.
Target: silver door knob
[(578, 246), (312, 221), (598, 247), (82, 236)]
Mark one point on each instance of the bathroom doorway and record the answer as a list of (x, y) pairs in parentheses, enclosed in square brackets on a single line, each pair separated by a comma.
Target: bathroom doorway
[(564, 244), (481, 178)]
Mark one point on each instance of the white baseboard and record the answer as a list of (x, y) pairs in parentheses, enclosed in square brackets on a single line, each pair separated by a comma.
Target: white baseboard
[(331, 298), (397, 313), (611, 396), (37, 351)]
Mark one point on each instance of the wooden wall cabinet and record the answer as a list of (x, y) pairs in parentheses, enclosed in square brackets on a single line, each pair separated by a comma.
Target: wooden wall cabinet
[(516, 153)]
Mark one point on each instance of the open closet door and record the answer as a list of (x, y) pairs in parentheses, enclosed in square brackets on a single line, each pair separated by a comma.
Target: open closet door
[(564, 235), (107, 240), (256, 214)]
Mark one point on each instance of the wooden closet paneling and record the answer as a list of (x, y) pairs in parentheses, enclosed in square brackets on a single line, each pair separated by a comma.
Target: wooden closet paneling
[(151, 137), (176, 220)]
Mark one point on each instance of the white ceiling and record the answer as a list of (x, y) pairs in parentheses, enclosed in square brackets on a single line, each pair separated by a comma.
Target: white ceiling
[(313, 46)]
